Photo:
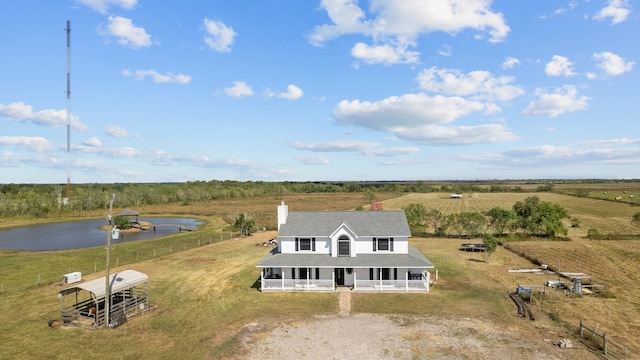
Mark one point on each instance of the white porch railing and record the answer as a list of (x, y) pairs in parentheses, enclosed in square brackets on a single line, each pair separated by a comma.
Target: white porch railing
[(297, 285), (392, 285)]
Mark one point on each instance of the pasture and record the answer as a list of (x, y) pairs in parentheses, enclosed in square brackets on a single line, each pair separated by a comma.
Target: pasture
[(206, 295)]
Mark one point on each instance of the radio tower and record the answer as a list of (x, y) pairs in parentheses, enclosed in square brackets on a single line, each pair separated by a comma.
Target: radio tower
[(68, 30)]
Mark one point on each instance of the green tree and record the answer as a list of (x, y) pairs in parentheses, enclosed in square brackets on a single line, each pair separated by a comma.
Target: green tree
[(490, 245), (416, 217), (501, 219), (436, 219), (540, 218), (122, 222), (472, 223), (244, 224)]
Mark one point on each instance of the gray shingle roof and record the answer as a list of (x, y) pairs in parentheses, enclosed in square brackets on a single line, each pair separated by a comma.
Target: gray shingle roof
[(413, 259), (363, 223)]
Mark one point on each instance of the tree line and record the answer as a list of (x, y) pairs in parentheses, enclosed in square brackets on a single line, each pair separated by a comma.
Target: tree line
[(531, 216), (42, 200)]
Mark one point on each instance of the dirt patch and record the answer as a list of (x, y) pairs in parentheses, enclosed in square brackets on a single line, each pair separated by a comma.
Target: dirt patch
[(369, 336)]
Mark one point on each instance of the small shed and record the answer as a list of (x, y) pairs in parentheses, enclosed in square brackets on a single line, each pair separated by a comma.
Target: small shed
[(134, 216), (83, 305)]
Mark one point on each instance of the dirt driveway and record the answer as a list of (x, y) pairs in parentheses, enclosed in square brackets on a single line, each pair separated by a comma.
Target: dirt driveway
[(369, 336)]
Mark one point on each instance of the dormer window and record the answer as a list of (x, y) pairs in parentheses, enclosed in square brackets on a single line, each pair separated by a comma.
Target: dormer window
[(344, 246)]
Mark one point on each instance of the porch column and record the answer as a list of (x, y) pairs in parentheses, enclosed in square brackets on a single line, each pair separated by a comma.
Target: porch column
[(308, 277), (428, 280), (262, 280), (333, 278), (406, 281), (282, 278), (380, 278), (355, 279)]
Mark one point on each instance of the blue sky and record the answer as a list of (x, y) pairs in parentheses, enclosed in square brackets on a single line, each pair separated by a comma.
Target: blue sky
[(290, 90)]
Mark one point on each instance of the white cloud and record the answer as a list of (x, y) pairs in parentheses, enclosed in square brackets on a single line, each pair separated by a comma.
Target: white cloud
[(103, 6), (157, 77), (510, 62), (478, 84), (445, 50), (457, 135), (31, 143), (128, 34), (395, 25), (559, 66), (219, 36), (384, 54), (313, 160), (51, 118), (366, 148), (612, 64), (417, 118), (562, 100), (617, 10), (293, 93), (118, 132), (239, 88), (92, 142)]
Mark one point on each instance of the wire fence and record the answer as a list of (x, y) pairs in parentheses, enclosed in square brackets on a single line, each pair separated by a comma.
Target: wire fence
[(16, 281), (611, 347)]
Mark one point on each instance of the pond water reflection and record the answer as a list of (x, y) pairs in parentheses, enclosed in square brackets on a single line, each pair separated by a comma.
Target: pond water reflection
[(80, 234)]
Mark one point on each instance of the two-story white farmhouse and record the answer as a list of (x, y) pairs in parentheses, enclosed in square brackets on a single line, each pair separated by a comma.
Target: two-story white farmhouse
[(365, 250)]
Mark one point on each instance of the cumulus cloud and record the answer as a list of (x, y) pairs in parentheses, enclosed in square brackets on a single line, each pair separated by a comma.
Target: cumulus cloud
[(313, 160), (127, 33), (510, 62), (239, 89), (93, 142), (293, 93), (118, 132), (419, 118), (31, 143), (50, 118), (561, 100), (367, 148), (612, 64), (103, 6), (219, 36), (559, 66), (157, 77), (617, 10), (478, 84), (395, 25), (384, 54)]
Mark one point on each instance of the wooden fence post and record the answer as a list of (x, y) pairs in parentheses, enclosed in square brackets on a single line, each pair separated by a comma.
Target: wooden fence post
[(581, 333)]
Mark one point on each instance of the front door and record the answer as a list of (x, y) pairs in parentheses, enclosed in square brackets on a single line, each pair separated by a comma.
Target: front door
[(339, 276)]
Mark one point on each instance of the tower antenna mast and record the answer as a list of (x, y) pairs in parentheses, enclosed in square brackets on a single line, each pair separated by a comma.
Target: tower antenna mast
[(68, 30)]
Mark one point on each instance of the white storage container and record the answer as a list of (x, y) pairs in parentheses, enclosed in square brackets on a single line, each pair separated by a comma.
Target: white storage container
[(71, 278)]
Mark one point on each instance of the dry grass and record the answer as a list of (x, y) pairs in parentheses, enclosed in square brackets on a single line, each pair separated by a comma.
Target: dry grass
[(206, 296)]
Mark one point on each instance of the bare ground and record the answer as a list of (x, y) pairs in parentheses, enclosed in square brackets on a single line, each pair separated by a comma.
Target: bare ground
[(369, 336)]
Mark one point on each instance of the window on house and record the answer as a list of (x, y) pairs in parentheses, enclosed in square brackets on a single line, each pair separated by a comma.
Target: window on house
[(344, 246), (382, 244), (305, 244), (304, 273)]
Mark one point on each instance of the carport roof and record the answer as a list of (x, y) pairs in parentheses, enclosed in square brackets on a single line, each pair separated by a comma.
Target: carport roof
[(119, 281)]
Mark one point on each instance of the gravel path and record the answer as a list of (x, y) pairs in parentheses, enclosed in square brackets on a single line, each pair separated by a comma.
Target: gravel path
[(368, 336)]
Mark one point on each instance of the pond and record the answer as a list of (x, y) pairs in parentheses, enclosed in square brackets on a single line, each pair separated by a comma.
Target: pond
[(81, 234)]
